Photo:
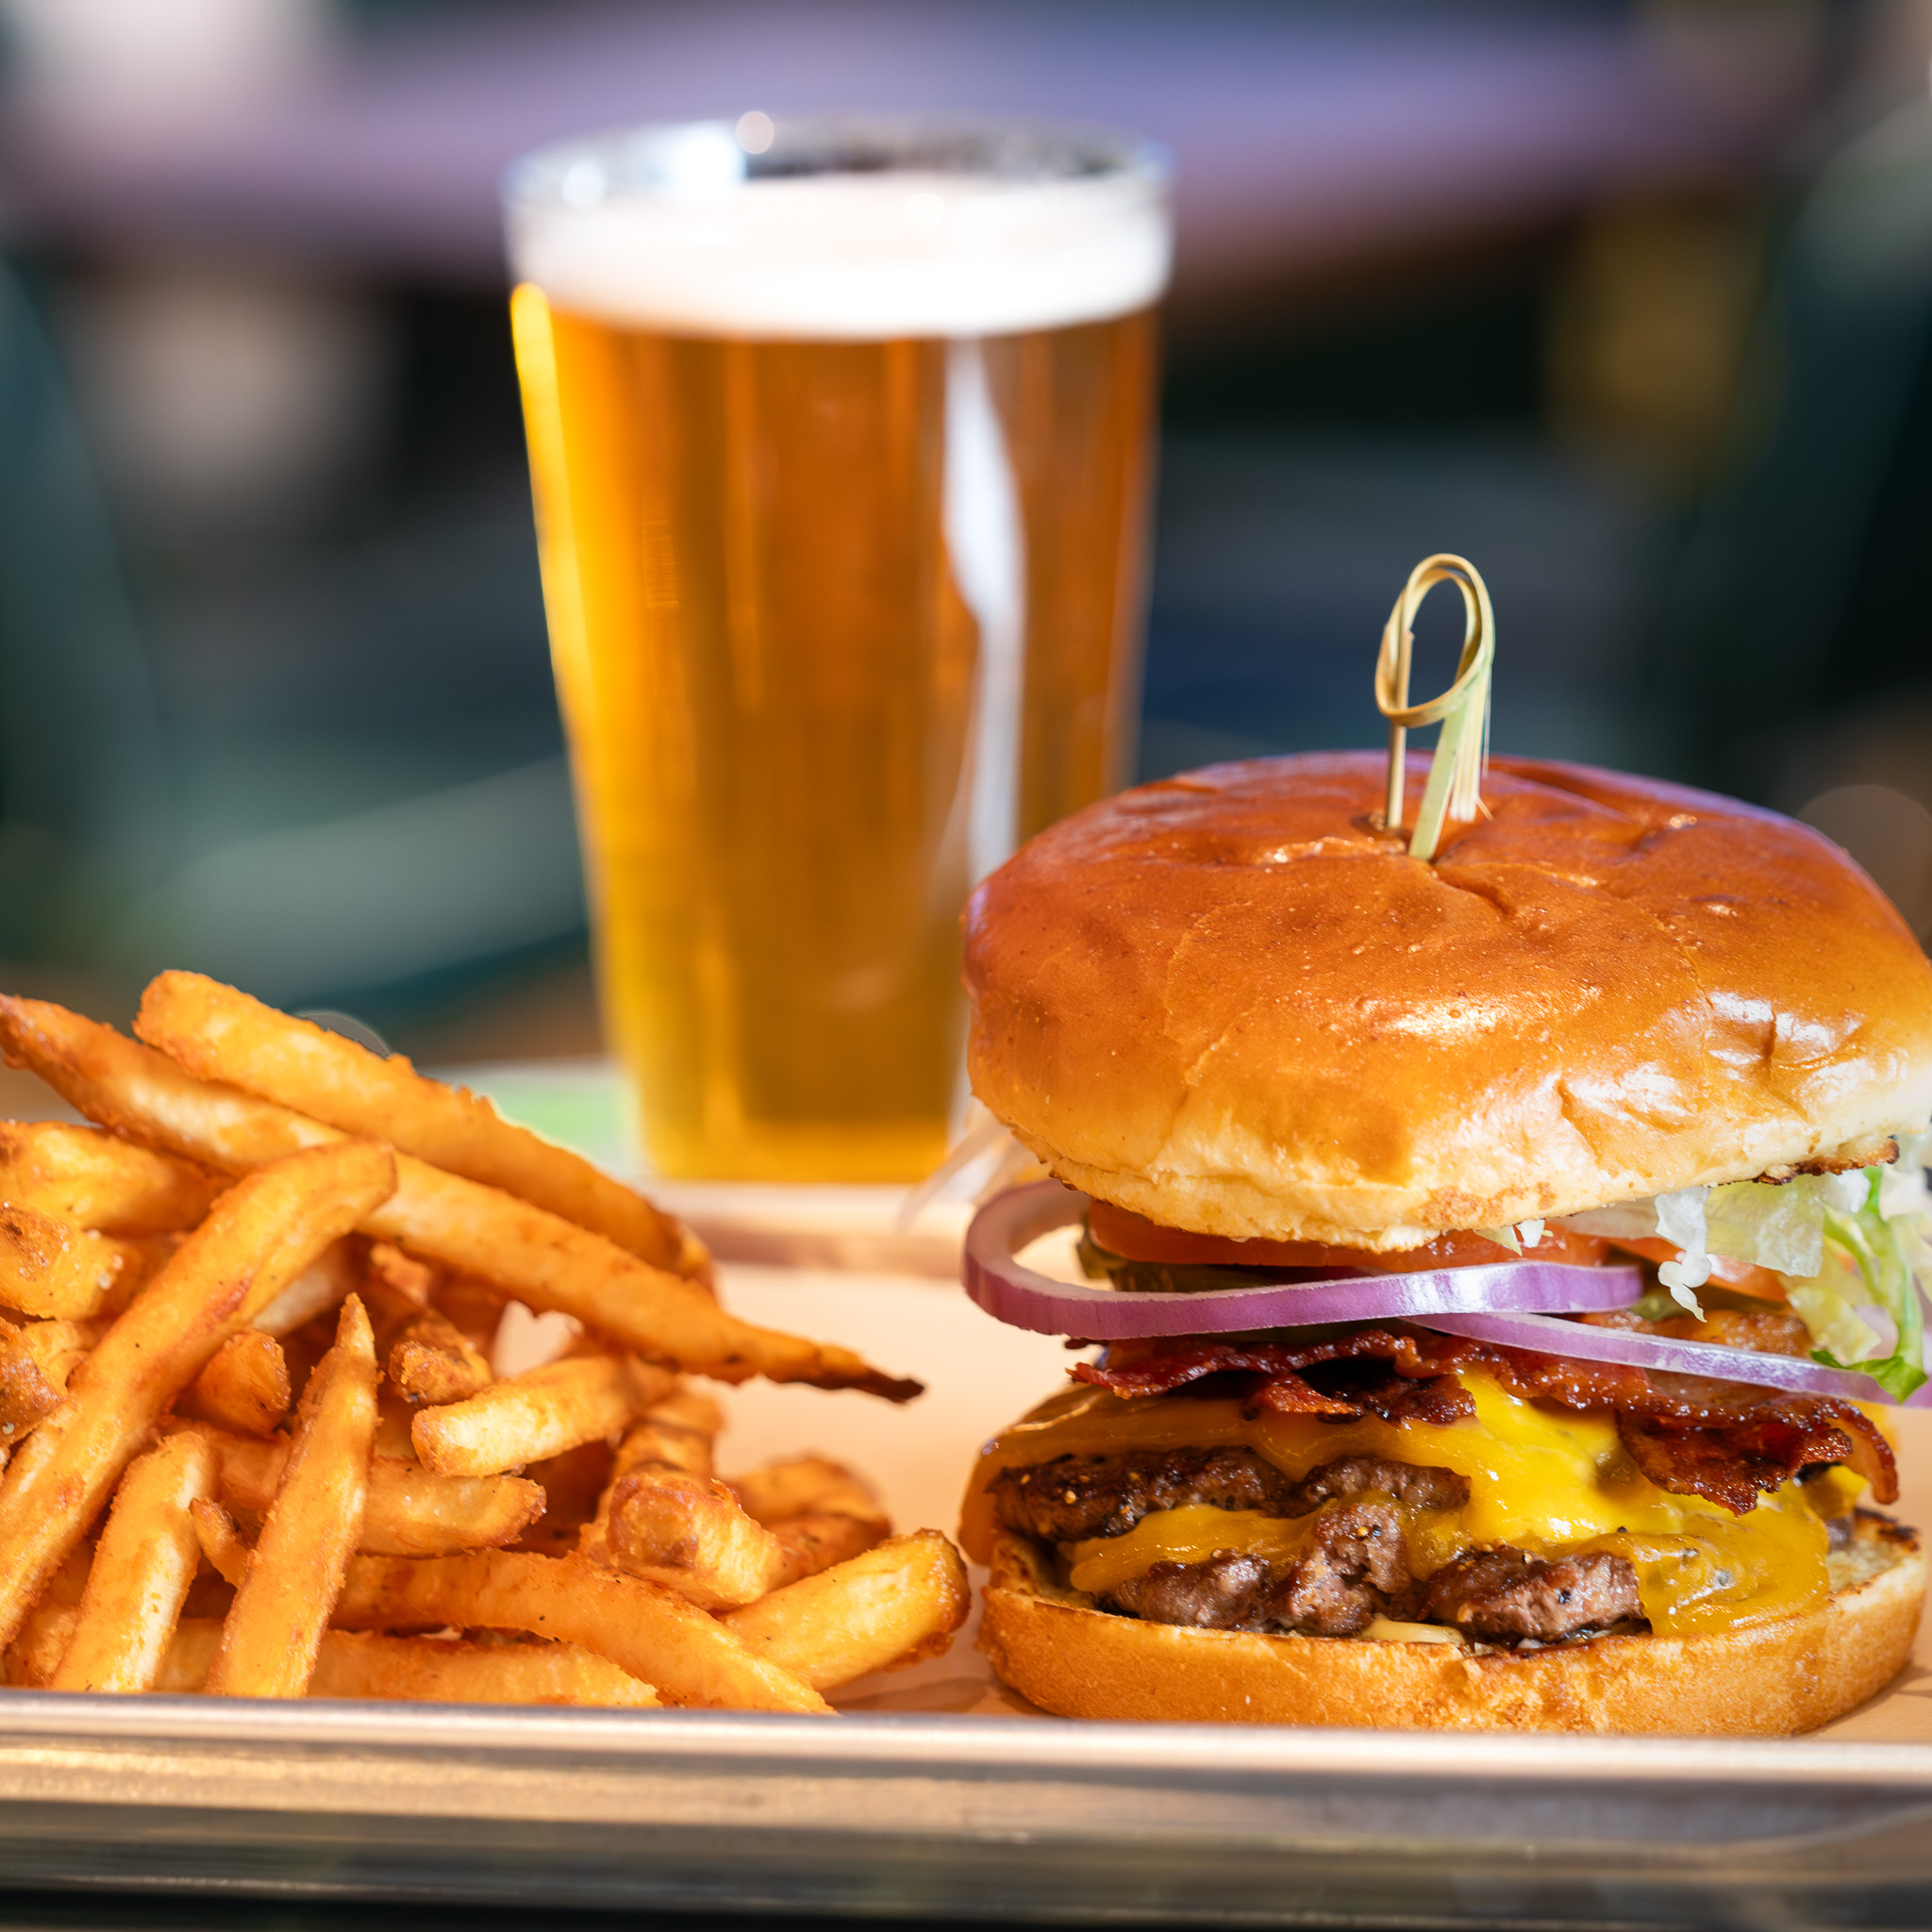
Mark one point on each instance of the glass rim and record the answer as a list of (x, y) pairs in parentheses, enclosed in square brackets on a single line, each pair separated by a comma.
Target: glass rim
[(672, 160)]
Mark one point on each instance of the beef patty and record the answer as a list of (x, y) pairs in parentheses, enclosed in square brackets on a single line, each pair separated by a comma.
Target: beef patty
[(1354, 1567), (1074, 1498)]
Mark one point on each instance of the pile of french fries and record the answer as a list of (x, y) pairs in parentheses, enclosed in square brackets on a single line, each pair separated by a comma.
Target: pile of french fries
[(254, 1438)]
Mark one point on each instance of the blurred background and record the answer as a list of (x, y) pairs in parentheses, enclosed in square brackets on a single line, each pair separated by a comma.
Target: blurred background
[(1631, 304)]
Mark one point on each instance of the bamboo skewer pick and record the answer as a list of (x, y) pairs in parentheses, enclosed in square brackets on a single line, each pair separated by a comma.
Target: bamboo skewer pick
[(1454, 789)]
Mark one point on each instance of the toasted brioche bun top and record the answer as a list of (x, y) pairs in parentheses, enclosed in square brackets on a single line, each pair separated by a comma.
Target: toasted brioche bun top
[(1229, 1003)]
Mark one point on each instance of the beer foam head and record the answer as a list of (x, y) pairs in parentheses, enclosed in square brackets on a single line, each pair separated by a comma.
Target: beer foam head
[(844, 231)]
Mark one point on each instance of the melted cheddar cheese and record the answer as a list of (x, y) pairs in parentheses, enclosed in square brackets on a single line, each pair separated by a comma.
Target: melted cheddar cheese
[(1542, 1479)]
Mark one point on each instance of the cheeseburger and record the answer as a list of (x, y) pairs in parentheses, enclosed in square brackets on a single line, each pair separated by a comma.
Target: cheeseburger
[(1504, 1263)]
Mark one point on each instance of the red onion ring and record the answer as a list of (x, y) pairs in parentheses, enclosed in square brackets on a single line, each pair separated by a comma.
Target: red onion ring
[(1023, 1298), (1542, 1336)]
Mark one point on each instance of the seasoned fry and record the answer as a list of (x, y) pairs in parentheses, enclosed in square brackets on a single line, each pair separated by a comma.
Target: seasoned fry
[(88, 1177), (322, 1286), (256, 1238), (432, 1362), (36, 1360), (35, 1655), (221, 1033), (430, 1670), (50, 1266), (819, 1511), (520, 1421), (544, 1261), (647, 1630), (688, 1533), (889, 1608), (274, 1631), (142, 1567), (410, 1512), (805, 1486), (677, 1433), (221, 1543), (425, 1670), (245, 1388)]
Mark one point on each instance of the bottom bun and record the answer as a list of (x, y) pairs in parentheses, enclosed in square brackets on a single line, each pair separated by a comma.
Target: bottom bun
[(1792, 1674)]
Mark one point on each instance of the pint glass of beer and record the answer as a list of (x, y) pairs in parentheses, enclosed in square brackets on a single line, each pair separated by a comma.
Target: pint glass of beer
[(841, 434)]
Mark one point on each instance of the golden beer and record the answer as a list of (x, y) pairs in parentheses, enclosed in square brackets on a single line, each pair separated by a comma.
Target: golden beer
[(843, 603)]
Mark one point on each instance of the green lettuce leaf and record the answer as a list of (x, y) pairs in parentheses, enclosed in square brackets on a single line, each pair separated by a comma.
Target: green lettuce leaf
[(1888, 1253)]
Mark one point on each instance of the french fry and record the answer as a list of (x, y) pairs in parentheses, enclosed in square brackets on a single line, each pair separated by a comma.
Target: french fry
[(892, 1607), (142, 1567), (648, 1631), (35, 1655), (819, 1511), (221, 1543), (245, 1388), (221, 1033), (430, 1670), (36, 1360), (53, 1267), (677, 1432), (424, 1670), (528, 1417), (273, 1630), (805, 1486), (325, 1284), (256, 1238), (433, 1363), (410, 1511), (689, 1533), (92, 1179), (541, 1260)]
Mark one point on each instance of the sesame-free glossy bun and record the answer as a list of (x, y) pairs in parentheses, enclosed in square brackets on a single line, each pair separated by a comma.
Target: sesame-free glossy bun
[(1790, 1674), (1229, 1003)]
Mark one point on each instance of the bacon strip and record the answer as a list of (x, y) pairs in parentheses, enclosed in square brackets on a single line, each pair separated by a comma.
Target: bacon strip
[(1688, 1434)]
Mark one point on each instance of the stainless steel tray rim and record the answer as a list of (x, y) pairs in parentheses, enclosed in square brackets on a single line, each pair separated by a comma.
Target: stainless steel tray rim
[(956, 1746)]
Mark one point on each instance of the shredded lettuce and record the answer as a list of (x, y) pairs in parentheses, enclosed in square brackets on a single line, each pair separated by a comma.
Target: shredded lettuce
[(1781, 1228), (1889, 1252), (1843, 1243)]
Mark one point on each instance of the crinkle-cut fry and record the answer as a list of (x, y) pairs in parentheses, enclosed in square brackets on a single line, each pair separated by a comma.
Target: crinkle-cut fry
[(142, 1567), (50, 1266), (245, 1388), (805, 1486), (99, 1181), (222, 1034), (644, 1629), (541, 1260), (433, 1363), (256, 1238), (36, 1362), (688, 1533), (894, 1606), (221, 1541), (525, 1418), (410, 1511), (273, 1630)]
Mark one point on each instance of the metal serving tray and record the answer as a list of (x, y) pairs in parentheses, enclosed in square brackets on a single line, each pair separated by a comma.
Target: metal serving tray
[(959, 1817), (935, 1795)]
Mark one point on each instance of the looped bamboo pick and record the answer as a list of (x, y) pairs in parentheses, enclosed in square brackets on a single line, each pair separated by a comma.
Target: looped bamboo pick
[(1454, 789)]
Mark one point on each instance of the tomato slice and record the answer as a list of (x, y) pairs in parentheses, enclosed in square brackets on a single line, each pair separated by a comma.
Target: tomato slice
[(1741, 1277), (1137, 1238)]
